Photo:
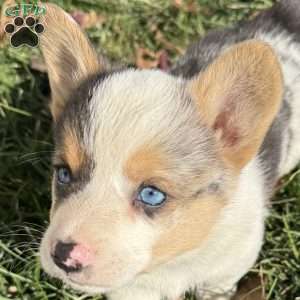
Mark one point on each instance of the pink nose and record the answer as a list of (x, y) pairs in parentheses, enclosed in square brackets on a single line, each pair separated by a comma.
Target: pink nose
[(72, 257), (79, 255)]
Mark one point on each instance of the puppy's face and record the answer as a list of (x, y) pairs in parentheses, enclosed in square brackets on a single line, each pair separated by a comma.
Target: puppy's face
[(145, 162), (131, 180)]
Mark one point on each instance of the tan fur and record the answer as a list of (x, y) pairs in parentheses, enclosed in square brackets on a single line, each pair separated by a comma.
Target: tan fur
[(72, 153), (193, 224), (238, 96), (72, 59), (144, 163), (149, 166)]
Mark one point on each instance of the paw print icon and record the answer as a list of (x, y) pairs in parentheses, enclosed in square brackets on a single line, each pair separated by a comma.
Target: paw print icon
[(24, 32)]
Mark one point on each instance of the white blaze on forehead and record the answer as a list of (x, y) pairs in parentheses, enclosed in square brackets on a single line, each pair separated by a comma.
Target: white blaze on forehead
[(132, 106)]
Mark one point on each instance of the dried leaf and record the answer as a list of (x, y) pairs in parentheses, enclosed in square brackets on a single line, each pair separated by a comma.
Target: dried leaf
[(187, 6), (164, 63), (146, 59), (166, 44), (88, 19), (178, 3), (251, 288)]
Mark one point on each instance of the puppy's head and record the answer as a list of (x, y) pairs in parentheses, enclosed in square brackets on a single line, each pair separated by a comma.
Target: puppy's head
[(145, 162)]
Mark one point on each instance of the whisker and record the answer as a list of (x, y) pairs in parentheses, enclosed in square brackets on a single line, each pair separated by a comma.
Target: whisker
[(36, 153), (32, 161), (24, 245)]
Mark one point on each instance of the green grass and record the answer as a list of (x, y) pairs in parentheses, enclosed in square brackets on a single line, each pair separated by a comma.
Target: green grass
[(26, 145)]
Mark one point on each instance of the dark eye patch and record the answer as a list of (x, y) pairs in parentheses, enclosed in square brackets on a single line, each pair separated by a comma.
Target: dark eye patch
[(77, 181), (63, 175)]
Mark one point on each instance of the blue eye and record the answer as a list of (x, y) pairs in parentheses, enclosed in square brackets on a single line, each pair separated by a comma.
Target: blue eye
[(151, 196), (63, 175)]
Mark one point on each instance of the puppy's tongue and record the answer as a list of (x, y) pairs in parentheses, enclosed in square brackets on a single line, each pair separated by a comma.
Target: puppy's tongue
[(80, 256)]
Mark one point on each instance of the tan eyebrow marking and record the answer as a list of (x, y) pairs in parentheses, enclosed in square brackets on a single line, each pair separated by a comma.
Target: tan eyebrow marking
[(147, 162), (72, 151)]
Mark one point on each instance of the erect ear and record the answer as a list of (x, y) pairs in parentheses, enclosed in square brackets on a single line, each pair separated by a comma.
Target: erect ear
[(68, 54), (238, 96)]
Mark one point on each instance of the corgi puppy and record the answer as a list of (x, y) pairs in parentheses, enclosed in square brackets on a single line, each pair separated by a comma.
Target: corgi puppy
[(162, 180)]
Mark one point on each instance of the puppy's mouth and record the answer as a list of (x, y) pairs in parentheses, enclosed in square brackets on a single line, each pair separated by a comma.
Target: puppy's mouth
[(76, 280), (86, 288)]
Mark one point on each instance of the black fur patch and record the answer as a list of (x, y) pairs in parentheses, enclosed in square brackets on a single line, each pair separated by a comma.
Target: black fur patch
[(79, 179)]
